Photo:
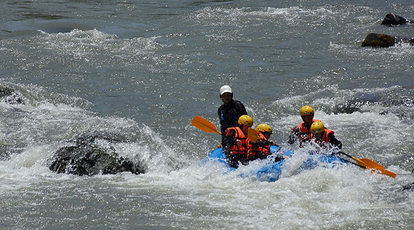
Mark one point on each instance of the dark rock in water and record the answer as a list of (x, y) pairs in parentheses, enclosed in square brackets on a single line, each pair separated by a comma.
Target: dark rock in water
[(398, 105), (357, 104), (4, 91), (379, 40), (349, 107), (409, 187), (87, 158), (4, 155), (385, 40), (393, 20), (10, 95)]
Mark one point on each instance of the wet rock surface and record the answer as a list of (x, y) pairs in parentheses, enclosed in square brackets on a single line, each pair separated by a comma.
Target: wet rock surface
[(392, 19), (85, 157), (379, 40)]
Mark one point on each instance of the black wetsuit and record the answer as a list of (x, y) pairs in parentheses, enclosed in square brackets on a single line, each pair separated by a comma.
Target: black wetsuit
[(334, 141), (229, 114)]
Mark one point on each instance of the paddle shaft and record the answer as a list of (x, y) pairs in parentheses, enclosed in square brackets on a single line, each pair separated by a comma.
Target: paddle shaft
[(348, 161), (356, 159)]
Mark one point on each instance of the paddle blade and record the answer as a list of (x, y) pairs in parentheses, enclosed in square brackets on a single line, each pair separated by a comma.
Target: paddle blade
[(252, 135), (204, 125), (370, 164)]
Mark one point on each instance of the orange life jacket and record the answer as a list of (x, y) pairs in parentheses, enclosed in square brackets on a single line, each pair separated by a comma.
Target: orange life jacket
[(325, 137), (304, 132), (259, 151), (244, 147)]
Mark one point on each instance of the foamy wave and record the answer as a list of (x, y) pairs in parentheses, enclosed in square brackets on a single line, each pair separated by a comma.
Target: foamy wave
[(86, 44)]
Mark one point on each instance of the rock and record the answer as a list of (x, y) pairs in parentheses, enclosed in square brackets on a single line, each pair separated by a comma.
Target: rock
[(10, 95), (87, 158), (4, 154), (379, 40), (393, 20), (384, 40), (364, 102), (351, 106)]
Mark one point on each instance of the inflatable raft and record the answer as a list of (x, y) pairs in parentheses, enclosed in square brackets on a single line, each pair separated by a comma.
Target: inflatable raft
[(269, 170)]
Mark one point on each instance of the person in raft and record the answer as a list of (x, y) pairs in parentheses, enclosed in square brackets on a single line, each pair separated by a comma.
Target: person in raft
[(230, 111), (324, 137), (261, 148), (302, 131), (235, 142)]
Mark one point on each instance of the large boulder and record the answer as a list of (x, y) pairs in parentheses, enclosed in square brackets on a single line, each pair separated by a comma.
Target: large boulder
[(392, 19), (85, 157)]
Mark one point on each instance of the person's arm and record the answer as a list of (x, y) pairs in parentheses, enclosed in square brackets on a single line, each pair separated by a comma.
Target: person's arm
[(228, 141), (260, 143), (334, 141), (223, 125), (293, 135), (219, 113)]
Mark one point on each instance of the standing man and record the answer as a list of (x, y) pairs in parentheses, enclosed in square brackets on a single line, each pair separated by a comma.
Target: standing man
[(230, 111)]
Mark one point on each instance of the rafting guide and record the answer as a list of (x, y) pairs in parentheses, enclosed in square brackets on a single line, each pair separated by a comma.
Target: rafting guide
[(230, 111)]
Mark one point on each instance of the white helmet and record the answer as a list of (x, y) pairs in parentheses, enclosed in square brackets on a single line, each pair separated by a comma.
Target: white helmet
[(225, 89)]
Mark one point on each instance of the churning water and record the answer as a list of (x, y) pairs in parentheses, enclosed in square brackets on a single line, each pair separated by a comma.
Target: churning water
[(141, 70)]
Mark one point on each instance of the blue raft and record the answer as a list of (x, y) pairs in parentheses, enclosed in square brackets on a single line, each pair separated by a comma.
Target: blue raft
[(270, 170)]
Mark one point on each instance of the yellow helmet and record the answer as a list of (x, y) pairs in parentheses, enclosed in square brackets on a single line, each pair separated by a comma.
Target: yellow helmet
[(246, 120), (264, 128), (306, 110), (317, 127)]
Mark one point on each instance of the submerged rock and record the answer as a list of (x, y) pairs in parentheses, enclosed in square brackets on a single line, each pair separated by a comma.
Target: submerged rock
[(10, 96), (350, 106), (4, 155), (373, 102), (87, 158)]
